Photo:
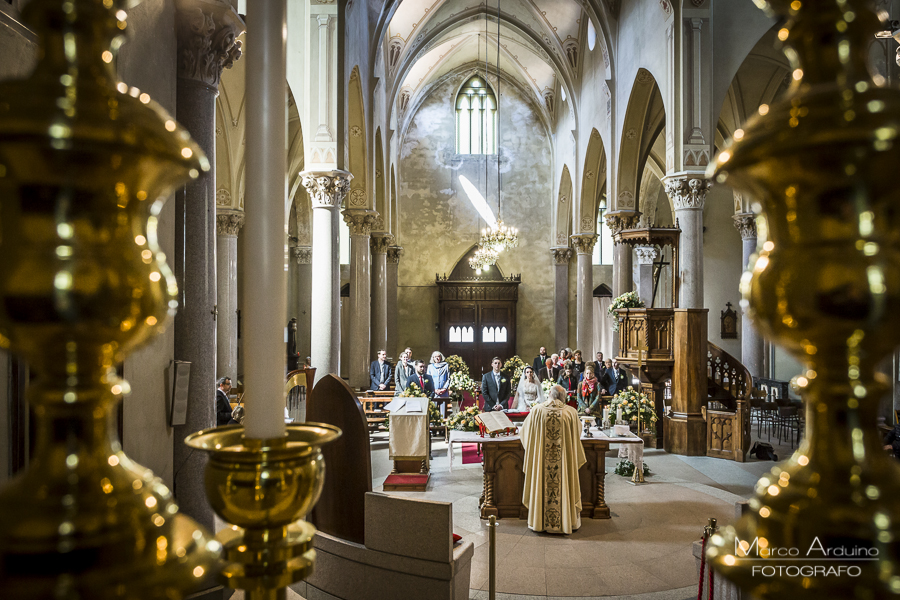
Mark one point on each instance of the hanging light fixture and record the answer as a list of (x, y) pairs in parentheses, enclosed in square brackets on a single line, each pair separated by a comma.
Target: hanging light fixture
[(498, 237), (483, 258)]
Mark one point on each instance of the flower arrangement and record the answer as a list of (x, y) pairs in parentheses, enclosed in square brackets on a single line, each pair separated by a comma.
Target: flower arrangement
[(632, 401), (434, 415), (464, 420), (625, 468), (626, 300), (413, 391), (546, 385), (457, 365), (460, 383), (514, 368)]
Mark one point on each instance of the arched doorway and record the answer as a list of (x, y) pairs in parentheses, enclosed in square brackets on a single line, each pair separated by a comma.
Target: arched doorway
[(477, 314)]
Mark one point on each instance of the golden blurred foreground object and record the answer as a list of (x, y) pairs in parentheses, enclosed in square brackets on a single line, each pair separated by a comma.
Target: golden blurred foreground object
[(826, 285), (263, 488), (85, 164)]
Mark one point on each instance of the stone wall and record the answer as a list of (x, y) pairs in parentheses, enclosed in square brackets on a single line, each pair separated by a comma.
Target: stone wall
[(438, 223)]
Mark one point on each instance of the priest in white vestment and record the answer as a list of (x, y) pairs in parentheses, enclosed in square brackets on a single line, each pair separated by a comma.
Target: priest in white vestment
[(551, 436)]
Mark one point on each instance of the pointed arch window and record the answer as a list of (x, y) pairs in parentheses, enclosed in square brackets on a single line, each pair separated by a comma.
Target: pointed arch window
[(476, 118)]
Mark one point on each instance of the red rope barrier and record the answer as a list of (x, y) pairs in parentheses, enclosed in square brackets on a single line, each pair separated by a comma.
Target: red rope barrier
[(702, 566)]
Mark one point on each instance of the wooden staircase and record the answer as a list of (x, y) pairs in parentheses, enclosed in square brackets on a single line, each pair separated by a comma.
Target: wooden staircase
[(729, 386)]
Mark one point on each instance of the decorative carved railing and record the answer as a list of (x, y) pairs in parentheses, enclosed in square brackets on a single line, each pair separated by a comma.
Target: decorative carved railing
[(728, 408)]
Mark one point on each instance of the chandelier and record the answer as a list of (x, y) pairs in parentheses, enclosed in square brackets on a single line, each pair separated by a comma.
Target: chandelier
[(483, 258), (499, 238)]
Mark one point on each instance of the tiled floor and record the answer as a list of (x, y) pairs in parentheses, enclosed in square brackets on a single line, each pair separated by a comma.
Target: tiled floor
[(644, 550)]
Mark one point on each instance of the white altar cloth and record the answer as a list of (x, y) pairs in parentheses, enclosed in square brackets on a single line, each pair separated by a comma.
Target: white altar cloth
[(409, 434)]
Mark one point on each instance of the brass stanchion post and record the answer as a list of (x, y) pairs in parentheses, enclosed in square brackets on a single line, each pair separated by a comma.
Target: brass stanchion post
[(492, 561)]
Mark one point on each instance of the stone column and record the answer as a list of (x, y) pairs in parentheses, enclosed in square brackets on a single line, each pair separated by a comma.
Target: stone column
[(206, 32), (561, 257), (646, 255), (228, 223), (688, 195), (584, 332), (623, 265), (393, 287), (327, 190), (301, 296), (379, 244), (752, 345), (360, 222)]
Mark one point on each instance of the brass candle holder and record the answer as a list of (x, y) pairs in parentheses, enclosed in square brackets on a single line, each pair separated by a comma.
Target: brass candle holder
[(263, 488), (820, 160), (85, 164)]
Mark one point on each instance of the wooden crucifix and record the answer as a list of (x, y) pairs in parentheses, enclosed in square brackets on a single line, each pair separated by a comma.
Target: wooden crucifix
[(657, 267)]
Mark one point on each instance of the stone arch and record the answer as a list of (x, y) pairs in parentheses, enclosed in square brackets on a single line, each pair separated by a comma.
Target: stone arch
[(563, 209), (637, 138), (593, 177), (356, 144), (382, 223)]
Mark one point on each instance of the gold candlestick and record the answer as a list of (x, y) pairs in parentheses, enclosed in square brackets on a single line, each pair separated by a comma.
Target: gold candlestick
[(827, 287), (262, 487), (85, 165)]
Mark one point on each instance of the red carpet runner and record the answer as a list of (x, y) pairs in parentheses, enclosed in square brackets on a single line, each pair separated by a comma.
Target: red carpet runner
[(470, 454)]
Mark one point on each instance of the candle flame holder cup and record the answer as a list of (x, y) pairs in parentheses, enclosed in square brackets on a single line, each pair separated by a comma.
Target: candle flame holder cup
[(85, 166), (263, 488), (826, 286)]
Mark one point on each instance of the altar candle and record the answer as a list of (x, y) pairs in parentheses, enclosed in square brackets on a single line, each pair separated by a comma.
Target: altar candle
[(605, 413), (618, 414), (265, 303)]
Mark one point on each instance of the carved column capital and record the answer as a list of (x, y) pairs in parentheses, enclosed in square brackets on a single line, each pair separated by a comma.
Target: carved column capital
[(302, 255), (380, 243), (561, 256), (207, 39), (619, 221), (326, 189), (584, 242), (745, 223), (646, 254), (360, 221), (687, 192), (393, 254), (229, 223)]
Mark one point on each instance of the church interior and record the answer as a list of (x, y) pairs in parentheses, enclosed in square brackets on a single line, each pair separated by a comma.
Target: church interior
[(473, 179)]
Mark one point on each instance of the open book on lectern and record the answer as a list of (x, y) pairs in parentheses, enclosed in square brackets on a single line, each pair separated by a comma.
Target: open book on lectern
[(494, 421)]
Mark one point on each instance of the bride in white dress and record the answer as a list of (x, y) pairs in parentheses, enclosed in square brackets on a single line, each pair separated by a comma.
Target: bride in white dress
[(528, 393)]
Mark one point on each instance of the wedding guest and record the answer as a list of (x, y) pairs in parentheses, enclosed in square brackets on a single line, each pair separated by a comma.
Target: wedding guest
[(402, 373), (599, 366), (550, 371), (589, 393), (440, 375), (409, 355), (569, 381), (578, 363), (539, 361), (892, 440), (223, 406), (563, 357), (556, 362), (616, 379), (380, 372), (422, 380), (495, 387)]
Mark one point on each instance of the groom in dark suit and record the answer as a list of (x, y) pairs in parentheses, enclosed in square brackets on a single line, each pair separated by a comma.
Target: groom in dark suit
[(422, 380), (495, 387)]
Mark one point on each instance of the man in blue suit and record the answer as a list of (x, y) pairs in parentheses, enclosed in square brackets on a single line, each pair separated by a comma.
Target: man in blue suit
[(495, 387), (615, 379), (380, 372), (422, 380)]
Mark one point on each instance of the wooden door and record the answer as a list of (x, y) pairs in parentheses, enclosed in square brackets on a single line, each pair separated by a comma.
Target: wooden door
[(477, 331), (497, 333), (459, 324)]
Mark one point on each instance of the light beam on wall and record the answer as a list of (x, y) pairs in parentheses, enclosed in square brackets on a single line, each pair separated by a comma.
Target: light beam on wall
[(478, 202)]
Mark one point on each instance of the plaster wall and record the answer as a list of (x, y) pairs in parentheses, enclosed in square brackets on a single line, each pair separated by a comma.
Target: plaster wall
[(147, 61), (722, 256), (439, 223)]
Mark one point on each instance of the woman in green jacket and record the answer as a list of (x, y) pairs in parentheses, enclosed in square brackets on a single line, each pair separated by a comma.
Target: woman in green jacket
[(589, 393)]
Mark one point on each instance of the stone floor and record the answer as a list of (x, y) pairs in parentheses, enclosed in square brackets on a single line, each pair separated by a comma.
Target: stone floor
[(643, 551)]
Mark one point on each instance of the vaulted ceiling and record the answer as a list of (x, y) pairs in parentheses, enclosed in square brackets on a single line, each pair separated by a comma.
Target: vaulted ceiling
[(539, 44)]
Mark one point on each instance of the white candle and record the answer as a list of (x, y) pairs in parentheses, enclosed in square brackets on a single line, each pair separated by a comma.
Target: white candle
[(605, 413), (263, 275), (618, 414)]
